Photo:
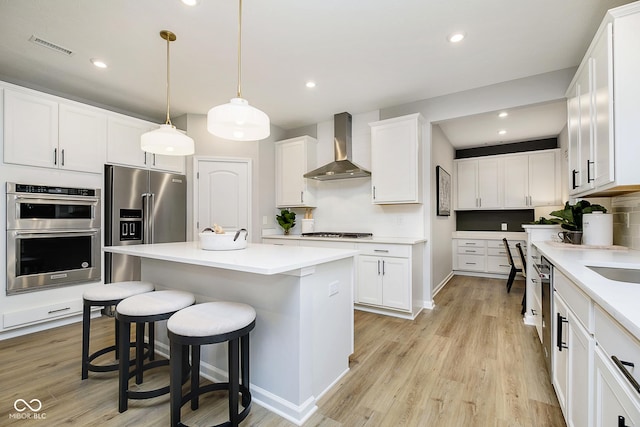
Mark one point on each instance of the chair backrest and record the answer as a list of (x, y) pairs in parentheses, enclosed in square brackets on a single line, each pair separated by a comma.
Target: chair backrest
[(506, 248), (522, 257)]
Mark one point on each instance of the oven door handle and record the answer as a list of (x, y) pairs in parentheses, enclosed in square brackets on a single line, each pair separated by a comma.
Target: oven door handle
[(57, 232), (61, 199)]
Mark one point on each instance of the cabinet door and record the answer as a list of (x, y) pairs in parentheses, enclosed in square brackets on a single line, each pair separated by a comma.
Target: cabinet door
[(292, 162), (585, 175), (369, 280), (580, 369), (166, 163), (560, 353), (490, 184), (573, 130), (602, 81), (396, 280), (466, 184), (516, 181), (123, 141), (543, 179), (82, 138), (30, 129), (394, 162), (611, 396)]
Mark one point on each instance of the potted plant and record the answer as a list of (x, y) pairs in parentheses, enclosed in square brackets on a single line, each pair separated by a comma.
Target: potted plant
[(570, 218), (286, 219)]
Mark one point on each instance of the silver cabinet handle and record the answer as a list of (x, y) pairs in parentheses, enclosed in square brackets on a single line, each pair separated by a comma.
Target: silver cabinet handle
[(385, 251), (374, 192), (55, 156), (378, 267), (62, 157), (302, 197), (59, 310)]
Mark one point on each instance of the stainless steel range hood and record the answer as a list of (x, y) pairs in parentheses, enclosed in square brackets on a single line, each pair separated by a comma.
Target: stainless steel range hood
[(342, 167)]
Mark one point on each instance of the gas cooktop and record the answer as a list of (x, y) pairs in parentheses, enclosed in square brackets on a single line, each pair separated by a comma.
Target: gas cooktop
[(336, 234)]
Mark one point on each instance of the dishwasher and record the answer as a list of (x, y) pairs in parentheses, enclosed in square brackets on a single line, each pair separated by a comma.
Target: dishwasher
[(545, 272)]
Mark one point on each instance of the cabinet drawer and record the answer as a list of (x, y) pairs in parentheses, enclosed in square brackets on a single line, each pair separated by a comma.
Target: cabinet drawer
[(613, 399), (471, 243), (497, 264), (280, 242), (401, 251), (498, 252), (471, 250), (326, 244), (616, 341), (43, 313), (577, 301), (471, 262)]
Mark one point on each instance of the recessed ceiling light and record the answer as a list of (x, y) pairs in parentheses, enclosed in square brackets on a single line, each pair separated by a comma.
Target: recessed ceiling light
[(98, 63), (190, 2), (456, 37), (502, 132), (310, 84), (503, 114)]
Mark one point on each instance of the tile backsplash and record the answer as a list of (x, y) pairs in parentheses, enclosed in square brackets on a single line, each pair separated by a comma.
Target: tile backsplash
[(626, 220)]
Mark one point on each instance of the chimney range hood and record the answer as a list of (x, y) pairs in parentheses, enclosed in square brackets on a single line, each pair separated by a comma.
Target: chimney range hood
[(342, 167)]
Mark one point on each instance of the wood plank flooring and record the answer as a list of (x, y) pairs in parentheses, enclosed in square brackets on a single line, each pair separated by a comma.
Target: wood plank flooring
[(469, 362)]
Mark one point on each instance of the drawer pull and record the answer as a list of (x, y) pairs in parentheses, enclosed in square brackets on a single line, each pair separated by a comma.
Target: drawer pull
[(505, 265), (533, 312), (59, 310), (470, 251), (384, 251), (621, 421), (559, 343), (621, 366), (470, 263), (470, 243)]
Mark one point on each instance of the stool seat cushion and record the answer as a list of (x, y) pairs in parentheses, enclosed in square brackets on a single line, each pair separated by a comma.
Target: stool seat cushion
[(211, 318), (117, 290), (152, 303)]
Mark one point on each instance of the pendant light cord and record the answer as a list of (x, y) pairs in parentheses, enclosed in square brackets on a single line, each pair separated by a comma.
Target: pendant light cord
[(168, 122), (239, 49)]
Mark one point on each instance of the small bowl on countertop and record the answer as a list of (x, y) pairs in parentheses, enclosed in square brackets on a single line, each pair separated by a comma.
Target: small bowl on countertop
[(229, 241)]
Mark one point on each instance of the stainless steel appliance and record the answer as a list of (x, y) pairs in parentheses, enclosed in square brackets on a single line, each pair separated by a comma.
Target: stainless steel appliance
[(545, 272), (53, 236), (141, 206)]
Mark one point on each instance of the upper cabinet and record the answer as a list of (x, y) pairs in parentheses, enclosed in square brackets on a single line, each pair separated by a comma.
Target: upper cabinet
[(123, 146), (396, 146), (509, 181), (294, 158), (478, 183), (603, 148), (40, 131)]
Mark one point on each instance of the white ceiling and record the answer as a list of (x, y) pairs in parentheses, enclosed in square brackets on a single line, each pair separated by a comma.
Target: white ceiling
[(363, 55)]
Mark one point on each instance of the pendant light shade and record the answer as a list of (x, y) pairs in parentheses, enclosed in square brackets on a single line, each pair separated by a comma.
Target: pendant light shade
[(167, 140), (237, 120)]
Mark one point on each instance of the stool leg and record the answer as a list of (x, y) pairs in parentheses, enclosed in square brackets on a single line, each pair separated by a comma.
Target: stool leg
[(139, 352), (244, 367), (123, 371), (195, 376), (152, 341), (234, 380), (117, 327), (86, 326), (175, 381)]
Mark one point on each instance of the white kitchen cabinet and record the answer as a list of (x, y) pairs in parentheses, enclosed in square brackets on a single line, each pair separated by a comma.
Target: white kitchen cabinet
[(44, 132), (294, 158), (123, 146), (479, 183), (602, 139), (395, 160), (612, 397), (384, 281), (483, 256), (532, 179), (573, 352)]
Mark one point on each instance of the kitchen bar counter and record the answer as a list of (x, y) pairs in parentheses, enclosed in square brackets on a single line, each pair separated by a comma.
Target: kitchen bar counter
[(303, 298), (619, 299)]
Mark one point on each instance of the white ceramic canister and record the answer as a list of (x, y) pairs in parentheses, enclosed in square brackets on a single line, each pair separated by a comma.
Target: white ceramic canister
[(307, 226), (597, 228)]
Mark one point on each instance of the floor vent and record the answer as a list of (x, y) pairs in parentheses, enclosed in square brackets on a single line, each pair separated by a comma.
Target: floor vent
[(52, 46)]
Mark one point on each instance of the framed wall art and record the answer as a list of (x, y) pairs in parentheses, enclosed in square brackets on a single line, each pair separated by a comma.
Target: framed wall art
[(443, 193)]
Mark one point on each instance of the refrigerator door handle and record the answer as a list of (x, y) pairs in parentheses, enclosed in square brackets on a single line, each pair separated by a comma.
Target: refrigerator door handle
[(150, 216), (146, 214)]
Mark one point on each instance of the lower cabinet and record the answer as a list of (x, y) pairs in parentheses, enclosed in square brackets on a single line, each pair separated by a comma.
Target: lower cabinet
[(614, 404), (384, 281), (484, 255)]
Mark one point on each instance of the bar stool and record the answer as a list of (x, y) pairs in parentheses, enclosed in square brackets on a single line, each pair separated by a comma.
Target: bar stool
[(105, 296), (143, 308), (210, 323)]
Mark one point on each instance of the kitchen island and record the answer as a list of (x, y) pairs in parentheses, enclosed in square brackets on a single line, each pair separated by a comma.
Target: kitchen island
[(303, 298)]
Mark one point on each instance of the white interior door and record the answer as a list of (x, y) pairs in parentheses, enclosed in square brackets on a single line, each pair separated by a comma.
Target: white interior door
[(223, 194)]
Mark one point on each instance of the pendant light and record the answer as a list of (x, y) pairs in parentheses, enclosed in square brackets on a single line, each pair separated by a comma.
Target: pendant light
[(237, 120), (167, 140)]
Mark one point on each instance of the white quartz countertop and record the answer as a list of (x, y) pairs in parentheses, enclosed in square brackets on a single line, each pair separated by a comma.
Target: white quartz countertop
[(620, 299), (490, 235), (256, 258), (374, 239)]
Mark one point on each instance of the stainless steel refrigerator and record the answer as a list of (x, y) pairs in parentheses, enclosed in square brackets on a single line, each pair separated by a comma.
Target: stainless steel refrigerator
[(141, 206)]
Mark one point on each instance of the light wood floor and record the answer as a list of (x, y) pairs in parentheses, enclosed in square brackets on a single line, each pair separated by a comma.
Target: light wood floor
[(469, 362)]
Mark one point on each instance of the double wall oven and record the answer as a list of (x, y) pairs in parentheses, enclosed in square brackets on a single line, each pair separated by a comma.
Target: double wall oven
[(53, 237)]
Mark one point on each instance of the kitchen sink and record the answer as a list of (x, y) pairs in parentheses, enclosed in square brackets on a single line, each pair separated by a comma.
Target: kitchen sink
[(630, 275)]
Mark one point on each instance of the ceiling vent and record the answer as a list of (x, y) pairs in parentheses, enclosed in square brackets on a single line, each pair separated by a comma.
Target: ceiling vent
[(52, 46)]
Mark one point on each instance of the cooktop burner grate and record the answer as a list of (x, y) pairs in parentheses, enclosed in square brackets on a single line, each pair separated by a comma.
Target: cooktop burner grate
[(336, 234)]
